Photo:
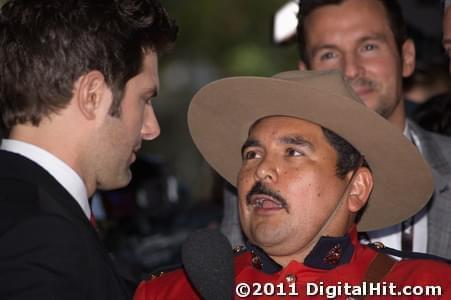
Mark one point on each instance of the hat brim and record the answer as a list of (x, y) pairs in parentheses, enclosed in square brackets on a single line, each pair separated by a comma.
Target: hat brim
[(222, 112)]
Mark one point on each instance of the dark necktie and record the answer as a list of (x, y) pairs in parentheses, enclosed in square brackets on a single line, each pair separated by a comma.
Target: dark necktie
[(92, 220)]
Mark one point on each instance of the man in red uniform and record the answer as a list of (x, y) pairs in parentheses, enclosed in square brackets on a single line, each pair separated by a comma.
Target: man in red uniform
[(314, 165)]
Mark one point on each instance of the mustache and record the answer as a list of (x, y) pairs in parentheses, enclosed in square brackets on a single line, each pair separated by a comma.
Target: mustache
[(362, 82), (260, 189)]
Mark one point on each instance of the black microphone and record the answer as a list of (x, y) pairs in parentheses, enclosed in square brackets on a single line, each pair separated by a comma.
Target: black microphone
[(207, 257)]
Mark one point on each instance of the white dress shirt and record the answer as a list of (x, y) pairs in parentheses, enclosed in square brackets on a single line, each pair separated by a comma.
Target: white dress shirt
[(64, 174), (391, 236)]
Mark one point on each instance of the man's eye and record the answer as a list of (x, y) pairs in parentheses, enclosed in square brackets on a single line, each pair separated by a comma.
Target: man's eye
[(294, 152), (148, 101), (369, 47), (327, 55), (250, 155)]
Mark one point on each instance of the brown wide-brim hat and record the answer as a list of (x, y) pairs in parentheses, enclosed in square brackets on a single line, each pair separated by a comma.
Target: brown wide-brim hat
[(222, 112)]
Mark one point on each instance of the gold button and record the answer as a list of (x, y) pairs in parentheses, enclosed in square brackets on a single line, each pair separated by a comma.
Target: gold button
[(378, 245), (290, 278), (238, 249)]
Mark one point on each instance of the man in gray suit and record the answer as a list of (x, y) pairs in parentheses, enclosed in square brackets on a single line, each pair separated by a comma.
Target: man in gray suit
[(367, 40)]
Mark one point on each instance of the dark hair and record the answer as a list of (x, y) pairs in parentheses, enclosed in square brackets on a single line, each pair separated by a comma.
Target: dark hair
[(348, 158), (392, 8), (45, 46)]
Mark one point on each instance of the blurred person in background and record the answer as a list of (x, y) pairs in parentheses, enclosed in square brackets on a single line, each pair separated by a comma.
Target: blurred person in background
[(367, 40), (435, 114), (429, 81), (77, 79), (447, 30)]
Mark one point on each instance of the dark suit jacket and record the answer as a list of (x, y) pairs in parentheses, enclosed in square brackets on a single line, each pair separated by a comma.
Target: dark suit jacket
[(48, 248)]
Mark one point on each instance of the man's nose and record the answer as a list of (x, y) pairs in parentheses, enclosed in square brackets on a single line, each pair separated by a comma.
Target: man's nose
[(352, 67), (266, 170), (150, 129)]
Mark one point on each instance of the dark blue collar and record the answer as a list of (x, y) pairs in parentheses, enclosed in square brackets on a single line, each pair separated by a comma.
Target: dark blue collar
[(328, 253)]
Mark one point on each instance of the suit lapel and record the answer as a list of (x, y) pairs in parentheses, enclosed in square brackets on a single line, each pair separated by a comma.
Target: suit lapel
[(439, 228), (431, 150), (55, 199)]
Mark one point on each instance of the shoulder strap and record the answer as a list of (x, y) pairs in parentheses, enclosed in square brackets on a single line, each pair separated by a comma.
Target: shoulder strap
[(378, 268)]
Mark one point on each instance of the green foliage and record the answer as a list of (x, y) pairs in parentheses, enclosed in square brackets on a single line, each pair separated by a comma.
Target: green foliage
[(235, 35), (216, 39)]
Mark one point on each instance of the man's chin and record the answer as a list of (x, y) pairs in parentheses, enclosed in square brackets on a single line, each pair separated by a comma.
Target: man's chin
[(266, 236), (117, 183), (372, 104), (369, 101)]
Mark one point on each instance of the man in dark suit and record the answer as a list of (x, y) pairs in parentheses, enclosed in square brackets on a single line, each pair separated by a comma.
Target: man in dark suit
[(76, 82)]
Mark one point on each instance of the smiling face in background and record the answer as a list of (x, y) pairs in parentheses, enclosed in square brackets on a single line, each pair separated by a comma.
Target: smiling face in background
[(290, 167), (120, 137), (355, 37)]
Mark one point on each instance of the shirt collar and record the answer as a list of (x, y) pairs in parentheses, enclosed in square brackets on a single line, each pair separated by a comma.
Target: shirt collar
[(407, 132), (328, 253), (412, 136), (57, 168)]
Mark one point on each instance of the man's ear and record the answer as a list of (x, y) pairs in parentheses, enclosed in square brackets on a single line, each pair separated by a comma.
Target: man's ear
[(408, 58), (89, 92), (301, 65), (360, 189)]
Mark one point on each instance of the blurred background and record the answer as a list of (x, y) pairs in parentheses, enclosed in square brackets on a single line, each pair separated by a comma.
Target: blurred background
[(174, 192), (216, 39)]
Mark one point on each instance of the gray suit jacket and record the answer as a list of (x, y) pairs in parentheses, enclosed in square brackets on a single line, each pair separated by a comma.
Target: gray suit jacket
[(436, 150)]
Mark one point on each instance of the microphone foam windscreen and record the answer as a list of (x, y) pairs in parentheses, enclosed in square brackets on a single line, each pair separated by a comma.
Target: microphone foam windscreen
[(208, 260)]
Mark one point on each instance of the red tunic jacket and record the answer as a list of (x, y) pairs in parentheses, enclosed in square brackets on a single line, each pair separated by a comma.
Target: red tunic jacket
[(334, 269)]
